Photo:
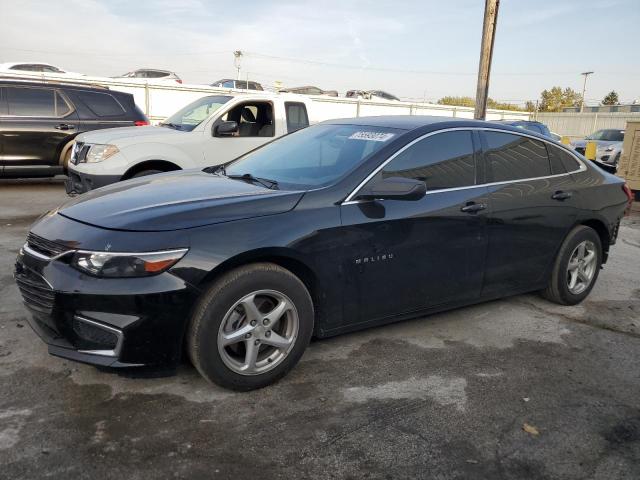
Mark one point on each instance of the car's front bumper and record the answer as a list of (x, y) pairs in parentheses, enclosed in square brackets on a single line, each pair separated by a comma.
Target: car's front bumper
[(80, 182), (108, 322)]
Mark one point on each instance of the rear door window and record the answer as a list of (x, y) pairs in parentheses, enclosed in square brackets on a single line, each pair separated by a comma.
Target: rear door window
[(31, 102), (297, 117), (514, 157), (561, 161), (101, 104), (444, 160)]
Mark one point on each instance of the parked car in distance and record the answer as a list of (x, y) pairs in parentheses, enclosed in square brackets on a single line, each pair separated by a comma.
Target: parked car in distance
[(608, 145), (151, 75), (532, 126), (343, 225), (371, 95), (209, 131), (40, 120), (37, 68), (237, 84), (310, 90)]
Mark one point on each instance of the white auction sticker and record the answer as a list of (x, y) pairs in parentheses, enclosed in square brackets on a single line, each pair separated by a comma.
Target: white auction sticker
[(372, 136)]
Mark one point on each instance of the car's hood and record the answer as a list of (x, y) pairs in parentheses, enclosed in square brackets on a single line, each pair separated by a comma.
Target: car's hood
[(176, 200), (125, 134)]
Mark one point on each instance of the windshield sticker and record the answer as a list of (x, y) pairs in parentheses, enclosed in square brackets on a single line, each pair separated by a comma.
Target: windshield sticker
[(372, 136)]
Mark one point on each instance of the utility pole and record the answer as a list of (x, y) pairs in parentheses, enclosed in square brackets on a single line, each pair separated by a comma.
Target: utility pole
[(584, 89), (486, 52), (237, 56)]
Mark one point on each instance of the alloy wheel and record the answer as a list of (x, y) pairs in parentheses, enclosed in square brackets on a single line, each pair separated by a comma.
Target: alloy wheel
[(582, 267), (258, 332)]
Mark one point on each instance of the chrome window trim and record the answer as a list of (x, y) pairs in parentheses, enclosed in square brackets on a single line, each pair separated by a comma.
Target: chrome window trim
[(27, 249), (581, 168), (105, 353)]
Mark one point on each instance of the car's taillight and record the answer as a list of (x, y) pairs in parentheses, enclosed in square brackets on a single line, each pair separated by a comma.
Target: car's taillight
[(179, 81), (141, 123), (629, 193)]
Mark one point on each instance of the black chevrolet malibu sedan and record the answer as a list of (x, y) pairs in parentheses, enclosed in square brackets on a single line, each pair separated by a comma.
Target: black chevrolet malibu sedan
[(343, 225)]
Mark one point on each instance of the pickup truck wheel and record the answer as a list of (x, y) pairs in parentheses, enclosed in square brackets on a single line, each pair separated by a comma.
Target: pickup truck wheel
[(576, 267), (250, 327), (144, 173)]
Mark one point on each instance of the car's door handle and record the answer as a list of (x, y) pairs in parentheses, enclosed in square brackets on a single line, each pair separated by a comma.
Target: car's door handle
[(473, 207), (560, 195), (64, 126)]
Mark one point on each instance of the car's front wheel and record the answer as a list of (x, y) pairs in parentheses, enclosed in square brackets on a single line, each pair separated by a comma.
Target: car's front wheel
[(250, 327), (576, 267)]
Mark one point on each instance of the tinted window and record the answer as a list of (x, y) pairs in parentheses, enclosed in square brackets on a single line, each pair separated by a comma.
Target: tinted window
[(444, 160), (3, 102), (156, 74), (102, 104), (31, 102), (561, 161), (512, 157), (228, 84), (296, 116)]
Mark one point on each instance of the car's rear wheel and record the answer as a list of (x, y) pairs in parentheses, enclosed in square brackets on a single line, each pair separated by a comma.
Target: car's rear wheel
[(250, 327), (576, 267)]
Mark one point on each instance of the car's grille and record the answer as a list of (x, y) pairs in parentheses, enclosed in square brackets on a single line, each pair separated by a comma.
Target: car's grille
[(37, 294), (44, 246), (93, 337), (580, 150), (80, 153)]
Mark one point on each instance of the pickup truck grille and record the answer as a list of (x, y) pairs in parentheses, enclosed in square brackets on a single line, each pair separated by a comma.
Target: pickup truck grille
[(79, 153)]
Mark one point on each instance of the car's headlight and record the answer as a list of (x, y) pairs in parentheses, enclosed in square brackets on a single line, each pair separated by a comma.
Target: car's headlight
[(610, 148), (98, 153), (115, 265)]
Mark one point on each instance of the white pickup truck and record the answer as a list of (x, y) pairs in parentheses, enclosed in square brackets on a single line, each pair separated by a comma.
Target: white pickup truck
[(210, 131)]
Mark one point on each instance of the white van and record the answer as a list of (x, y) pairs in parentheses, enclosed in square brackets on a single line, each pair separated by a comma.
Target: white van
[(210, 131)]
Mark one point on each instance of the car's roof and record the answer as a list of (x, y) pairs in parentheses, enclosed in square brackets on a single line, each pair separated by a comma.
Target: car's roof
[(54, 83), (405, 122), (513, 120)]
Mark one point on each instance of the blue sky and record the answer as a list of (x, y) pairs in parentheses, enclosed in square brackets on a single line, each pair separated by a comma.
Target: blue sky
[(413, 49)]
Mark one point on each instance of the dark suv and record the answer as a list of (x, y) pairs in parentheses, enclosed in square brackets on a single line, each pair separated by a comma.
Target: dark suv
[(38, 122)]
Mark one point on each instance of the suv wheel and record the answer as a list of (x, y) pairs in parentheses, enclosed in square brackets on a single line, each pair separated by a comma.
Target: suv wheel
[(576, 267), (250, 327)]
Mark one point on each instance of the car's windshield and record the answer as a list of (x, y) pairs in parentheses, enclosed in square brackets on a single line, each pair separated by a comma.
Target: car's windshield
[(607, 135), (315, 156), (195, 113)]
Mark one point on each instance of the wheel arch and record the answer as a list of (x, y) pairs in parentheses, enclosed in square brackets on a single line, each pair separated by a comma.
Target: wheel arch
[(280, 256), (164, 165), (603, 232)]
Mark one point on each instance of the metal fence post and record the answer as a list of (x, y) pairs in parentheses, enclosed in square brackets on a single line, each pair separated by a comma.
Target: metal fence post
[(595, 122), (358, 108), (146, 99)]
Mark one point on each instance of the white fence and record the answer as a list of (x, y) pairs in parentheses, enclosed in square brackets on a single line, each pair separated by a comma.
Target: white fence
[(158, 101), (579, 125)]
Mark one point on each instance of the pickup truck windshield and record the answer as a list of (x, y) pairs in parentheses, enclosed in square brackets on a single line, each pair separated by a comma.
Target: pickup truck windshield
[(189, 117), (313, 157)]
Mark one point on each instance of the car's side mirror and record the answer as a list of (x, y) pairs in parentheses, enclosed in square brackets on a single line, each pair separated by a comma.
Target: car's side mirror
[(225, 129), (394, 188)]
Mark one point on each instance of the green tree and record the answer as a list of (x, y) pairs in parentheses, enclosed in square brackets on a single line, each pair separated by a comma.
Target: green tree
[(611, 98), (458, 101), (556, 99), (470, 102), (530, 106)]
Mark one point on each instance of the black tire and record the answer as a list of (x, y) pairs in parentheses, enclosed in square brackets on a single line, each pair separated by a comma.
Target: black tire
[(557, 290), (216, 302), (144, 173)]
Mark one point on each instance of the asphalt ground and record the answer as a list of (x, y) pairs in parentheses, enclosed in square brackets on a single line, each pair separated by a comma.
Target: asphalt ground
[(512, 389)]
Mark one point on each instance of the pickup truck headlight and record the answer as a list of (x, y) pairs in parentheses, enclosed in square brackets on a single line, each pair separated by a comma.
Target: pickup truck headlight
[(98, 153), (118, 265)]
